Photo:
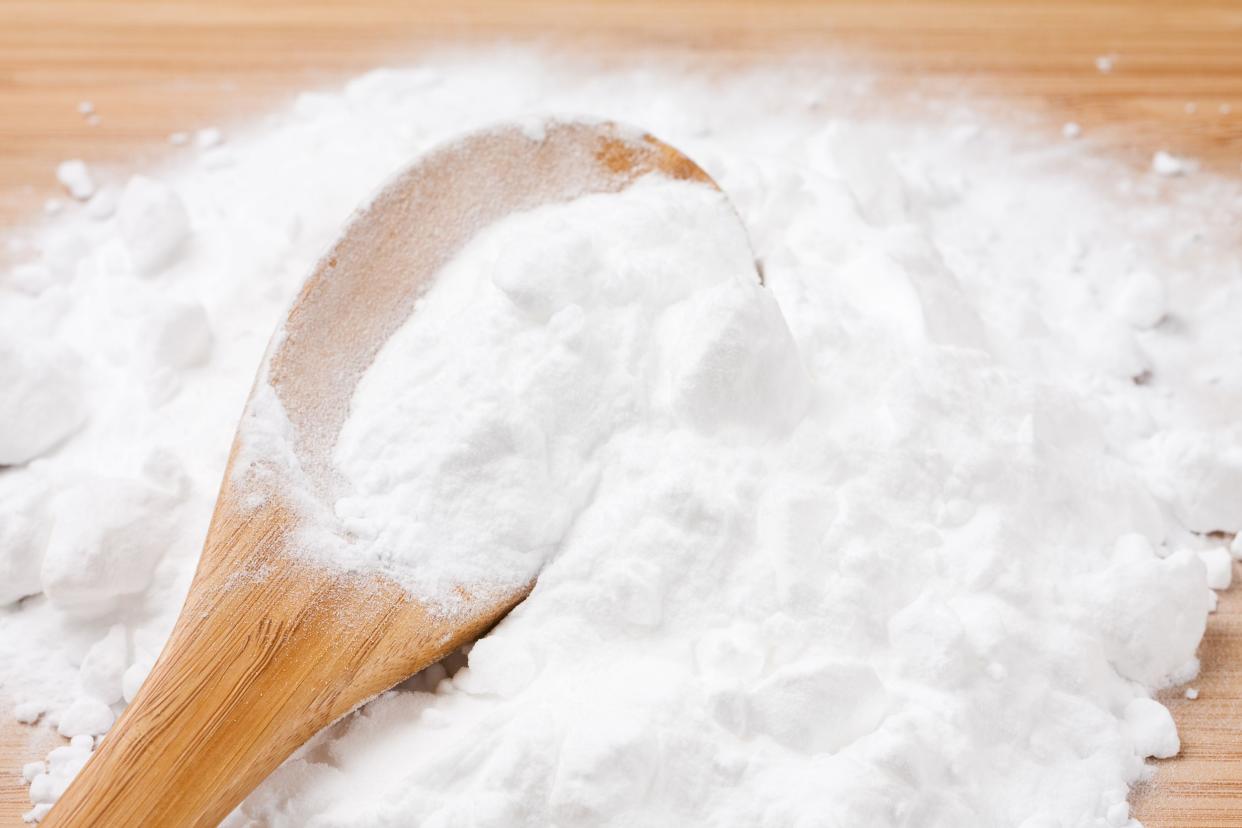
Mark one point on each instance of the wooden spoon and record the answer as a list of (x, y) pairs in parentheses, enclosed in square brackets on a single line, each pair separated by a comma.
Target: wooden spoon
[(269, 647)]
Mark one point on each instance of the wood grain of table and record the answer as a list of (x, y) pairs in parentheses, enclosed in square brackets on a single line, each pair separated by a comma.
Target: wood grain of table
[(153, 68)]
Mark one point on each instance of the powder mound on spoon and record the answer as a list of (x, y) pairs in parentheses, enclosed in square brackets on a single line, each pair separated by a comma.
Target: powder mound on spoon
[(475, 438)]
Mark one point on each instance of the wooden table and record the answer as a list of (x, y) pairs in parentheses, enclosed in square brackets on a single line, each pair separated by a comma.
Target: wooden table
[(154, 68)]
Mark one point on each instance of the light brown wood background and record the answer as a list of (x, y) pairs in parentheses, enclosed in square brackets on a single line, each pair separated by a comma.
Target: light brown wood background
[(153, 68)]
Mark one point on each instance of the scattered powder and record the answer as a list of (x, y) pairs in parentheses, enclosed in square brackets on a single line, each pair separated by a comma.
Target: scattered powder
[(907, 536), (29, 712), (1104, 63), (76, 178), (87, 110), (1071, 130), (1219, 567), (208, 138), (1168, 164)]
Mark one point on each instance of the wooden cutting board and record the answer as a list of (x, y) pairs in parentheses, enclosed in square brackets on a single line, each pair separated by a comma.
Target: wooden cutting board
[(152, 68)]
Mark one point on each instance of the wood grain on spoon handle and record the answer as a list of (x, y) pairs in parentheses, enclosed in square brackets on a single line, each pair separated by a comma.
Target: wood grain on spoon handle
[(258, 662)]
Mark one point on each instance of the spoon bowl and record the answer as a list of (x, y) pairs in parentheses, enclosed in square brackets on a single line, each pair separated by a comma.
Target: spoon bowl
[(271, 646)]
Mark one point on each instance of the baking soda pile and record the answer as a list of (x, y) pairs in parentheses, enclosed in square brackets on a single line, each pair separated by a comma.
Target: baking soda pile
[(908, 536)]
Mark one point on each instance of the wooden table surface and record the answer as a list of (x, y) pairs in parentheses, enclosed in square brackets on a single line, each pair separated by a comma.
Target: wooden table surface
[(154, 68)]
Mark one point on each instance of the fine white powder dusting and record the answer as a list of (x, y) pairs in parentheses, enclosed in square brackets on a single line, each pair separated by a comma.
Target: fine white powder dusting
[(909, 535)]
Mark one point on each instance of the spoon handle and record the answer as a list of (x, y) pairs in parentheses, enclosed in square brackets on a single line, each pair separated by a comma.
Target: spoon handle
[(265, 653)]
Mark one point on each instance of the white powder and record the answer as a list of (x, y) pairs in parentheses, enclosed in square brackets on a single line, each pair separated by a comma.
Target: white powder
[(76, 178), (907, 536), (1168, 164), (484, 426), (208, 138)]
